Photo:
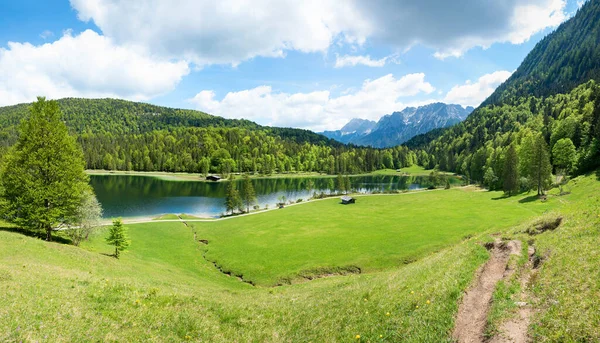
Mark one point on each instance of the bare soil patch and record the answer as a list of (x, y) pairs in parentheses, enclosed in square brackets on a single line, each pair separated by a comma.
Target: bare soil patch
[(515, 329), (473, 311)]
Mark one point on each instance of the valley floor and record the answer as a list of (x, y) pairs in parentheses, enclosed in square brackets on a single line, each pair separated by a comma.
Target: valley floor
[(407, 260)]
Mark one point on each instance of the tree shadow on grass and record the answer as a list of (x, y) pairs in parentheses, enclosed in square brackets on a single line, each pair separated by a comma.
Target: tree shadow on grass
[(36, 234), (502, 197), (506, 196), (598, 174), (528, 199)]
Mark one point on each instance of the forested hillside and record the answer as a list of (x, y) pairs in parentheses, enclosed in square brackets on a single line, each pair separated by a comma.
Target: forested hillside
[(553, 97), (480, 142), (560, 62), (124, 135)]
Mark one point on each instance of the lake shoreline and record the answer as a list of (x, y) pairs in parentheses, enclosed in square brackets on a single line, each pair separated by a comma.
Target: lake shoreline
[(157, 218), (180, 176), (144, 195)]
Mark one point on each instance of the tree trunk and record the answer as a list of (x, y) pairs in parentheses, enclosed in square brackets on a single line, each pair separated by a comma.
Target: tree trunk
[(49, 234)]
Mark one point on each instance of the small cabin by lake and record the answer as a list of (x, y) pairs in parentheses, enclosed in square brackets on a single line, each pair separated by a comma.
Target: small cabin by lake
[(213, 178), (348, 200)]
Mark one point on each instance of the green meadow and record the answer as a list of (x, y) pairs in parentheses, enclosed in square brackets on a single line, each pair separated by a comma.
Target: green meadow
[(376, 233), (417, 253)]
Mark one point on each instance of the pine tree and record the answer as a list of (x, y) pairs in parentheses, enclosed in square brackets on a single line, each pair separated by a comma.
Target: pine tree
[(340, 184), (42, 177), (347, 184), (511, 171), (248, 193), (540, 170), (232, 198), (117, 236)]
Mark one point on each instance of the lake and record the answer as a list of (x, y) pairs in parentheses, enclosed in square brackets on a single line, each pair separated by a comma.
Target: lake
[(143, 196)]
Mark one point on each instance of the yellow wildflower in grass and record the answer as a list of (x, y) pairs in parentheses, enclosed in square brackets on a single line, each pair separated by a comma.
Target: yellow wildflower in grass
[(357, 336), (417, 306), (380, 336), (428, 302), (412, 292), (387, 314)]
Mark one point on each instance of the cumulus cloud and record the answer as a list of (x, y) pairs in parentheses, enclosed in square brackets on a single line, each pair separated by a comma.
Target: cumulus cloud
[(473, 93), (231, 31), (351, 61), (452, 28), (318, 110), (85, 65)]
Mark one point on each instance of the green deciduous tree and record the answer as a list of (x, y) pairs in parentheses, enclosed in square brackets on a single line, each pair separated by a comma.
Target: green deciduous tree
[(117, 236), (248, 193), (563, 155), (490, 178), (511, 171), (563, 158), (42, 177)]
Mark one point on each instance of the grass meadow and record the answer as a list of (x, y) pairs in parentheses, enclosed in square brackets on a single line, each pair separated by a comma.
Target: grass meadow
[(376, 233), (163, 288)]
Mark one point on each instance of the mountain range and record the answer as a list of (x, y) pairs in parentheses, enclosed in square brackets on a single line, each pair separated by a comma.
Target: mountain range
[(398, 127)]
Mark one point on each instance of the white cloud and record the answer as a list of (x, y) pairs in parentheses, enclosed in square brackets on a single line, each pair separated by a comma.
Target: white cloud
[(452, 28), (228, 31), (46, 34), (473, 94), (232, 31), (86, 65), (351, 61), (316, 110)]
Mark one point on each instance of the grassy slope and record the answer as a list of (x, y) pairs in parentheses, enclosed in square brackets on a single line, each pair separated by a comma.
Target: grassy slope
[(162, 291), (568, 284), (376, 233), (566, 289)]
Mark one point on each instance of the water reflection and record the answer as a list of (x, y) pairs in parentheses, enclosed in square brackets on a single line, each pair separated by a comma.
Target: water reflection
[(133, 196)]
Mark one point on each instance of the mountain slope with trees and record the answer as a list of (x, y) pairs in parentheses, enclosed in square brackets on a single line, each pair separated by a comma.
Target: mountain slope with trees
[(560, 62), (553, 96), (124, 135)]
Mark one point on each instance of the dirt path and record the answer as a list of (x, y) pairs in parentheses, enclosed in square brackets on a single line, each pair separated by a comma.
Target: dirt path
[(473, 311), (515, 329)]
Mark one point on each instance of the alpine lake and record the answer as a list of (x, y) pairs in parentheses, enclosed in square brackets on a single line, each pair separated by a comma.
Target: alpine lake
[(145, 196)]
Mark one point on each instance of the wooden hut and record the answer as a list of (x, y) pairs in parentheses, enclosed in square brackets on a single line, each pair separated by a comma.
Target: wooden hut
[(213, 178), (348, 200)]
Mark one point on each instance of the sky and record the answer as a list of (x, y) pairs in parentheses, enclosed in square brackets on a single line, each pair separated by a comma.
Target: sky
[(312, 64)]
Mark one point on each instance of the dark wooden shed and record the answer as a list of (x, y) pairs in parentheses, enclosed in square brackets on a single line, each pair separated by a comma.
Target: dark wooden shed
[(348, 200), (213, 178)]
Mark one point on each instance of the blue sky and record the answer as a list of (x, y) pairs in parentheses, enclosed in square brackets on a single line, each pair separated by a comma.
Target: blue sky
[(310, 64)]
